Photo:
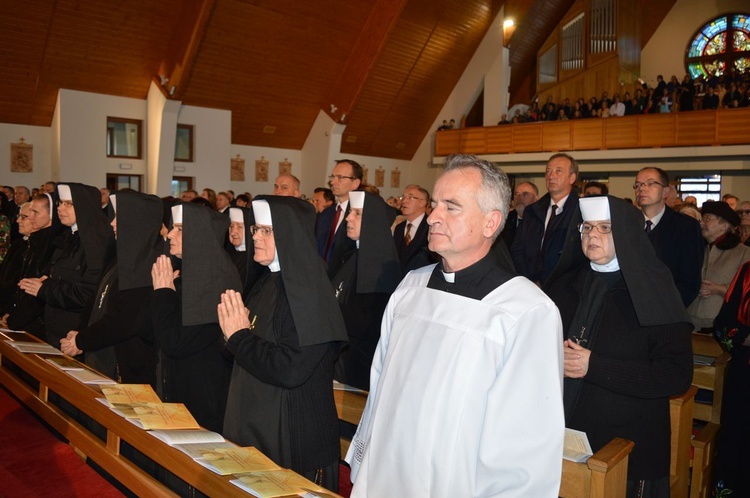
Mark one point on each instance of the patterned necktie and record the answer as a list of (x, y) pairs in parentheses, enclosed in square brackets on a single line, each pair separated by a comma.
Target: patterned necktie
[(649, 224), (549, 223), (407, 237), (332, 232)]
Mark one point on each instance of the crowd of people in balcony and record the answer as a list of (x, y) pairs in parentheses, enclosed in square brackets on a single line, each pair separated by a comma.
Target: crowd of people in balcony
[(727, 91)]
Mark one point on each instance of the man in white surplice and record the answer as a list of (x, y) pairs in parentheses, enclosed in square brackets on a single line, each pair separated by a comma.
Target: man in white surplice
[(466, 384)]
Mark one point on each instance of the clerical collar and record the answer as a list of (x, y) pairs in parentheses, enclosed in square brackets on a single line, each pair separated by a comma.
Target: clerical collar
[(357, 241), (475, 281), (613, 265), (74, 228)]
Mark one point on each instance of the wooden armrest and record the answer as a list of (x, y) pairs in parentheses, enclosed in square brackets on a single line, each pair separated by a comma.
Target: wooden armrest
[(610, 455), (706, 435)]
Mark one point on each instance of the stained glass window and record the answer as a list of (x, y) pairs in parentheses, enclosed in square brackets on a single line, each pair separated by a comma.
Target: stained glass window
[(721, 43)]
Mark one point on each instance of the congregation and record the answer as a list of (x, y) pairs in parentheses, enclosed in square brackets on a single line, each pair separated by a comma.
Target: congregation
[(730, 90), (483, 318)]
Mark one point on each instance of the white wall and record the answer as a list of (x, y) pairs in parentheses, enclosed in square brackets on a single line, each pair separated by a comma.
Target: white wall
[(665, 52), (251, 154), (83, 136), (39, 137)]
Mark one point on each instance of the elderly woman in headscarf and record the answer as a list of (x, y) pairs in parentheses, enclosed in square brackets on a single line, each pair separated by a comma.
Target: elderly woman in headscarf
[(364, 283), (627, 348), (724, 256), (109, 339), (80, 255), (240, 248), (284, 346), (194, 367)]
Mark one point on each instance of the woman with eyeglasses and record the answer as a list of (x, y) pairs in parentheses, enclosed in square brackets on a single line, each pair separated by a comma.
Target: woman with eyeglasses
[(285, 338), (724, 256), (627, 346), (743, 209), (81, 252)]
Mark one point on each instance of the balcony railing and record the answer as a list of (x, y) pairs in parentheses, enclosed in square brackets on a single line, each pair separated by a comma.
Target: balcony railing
[(680, 129)]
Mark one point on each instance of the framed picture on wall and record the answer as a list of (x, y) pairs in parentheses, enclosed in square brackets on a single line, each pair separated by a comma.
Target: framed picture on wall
[(237, 169), (21, 157), (285, 167), (380, 177), (261, 169), (395, 178)]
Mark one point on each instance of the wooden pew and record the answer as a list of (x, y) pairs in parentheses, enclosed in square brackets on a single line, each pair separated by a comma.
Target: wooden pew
[(709, 377), (106, 453), (349, 406), (681, 422), (704, 454), (605, 473)]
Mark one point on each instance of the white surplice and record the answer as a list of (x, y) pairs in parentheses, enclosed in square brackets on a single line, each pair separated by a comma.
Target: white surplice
[(466, 396)]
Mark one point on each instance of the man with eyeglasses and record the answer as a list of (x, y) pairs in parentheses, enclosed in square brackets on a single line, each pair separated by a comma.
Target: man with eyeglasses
[(410, 235), (525, 194), (540, 239), (676, 237), (330, 231)]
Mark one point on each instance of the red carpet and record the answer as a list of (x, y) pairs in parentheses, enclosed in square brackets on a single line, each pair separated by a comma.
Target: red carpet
[(33, 462)]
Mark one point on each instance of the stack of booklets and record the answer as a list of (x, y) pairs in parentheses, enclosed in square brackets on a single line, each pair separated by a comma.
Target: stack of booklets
[(34, 347), (141, 406)]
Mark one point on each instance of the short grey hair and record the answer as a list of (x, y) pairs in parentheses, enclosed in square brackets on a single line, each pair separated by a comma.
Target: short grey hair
[(495, 193)]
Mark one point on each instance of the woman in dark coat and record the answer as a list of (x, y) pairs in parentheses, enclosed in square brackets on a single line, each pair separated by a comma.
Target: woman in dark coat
[(628, 347), (194, 366), (80, 255), (110, 342), (281, 395), (364, 283), (732, 330)]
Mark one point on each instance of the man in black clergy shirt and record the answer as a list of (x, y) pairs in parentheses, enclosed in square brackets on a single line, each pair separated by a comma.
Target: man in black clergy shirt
[(540, 239), (676, 237)]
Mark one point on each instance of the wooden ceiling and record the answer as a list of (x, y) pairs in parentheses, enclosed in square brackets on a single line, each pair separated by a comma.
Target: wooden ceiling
[(382, 67)]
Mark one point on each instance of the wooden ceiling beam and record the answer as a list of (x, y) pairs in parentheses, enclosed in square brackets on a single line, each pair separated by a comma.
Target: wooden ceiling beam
[(363, 56), (183, 46)]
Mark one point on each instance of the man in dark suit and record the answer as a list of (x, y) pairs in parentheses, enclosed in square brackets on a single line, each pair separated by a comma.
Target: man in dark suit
[(539, 242), (525, 194), (676, 237), (410, 235), (330, 229)]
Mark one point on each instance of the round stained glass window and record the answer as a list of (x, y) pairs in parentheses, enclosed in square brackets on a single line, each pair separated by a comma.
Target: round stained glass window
[(720, 44)]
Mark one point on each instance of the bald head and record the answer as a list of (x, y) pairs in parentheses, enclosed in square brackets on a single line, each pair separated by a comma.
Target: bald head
[(286, 185)]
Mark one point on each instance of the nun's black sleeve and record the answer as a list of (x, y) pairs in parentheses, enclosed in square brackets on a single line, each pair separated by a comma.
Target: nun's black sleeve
[(283, 363), (73, 284), (173, 338), (117, 324)]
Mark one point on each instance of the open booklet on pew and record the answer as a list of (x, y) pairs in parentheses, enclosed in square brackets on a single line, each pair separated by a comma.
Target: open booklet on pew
[(275, 483), (78, 371), (34, 347), (576, 447), (141, 406)]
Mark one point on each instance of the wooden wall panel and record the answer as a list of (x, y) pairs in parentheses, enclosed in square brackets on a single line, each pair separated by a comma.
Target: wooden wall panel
[(588, 134), (527, 138), (556, 136), (695, 128), (658, 131), (622, 132), (733, 126), (500, 139), (473, 141), (447, 142)]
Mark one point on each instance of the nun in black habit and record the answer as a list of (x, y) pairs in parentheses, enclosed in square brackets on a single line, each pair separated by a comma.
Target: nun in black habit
[(125, 285), (80, 255), (281, 396), (628, 347), (240, 248), (364, 283), (194, 368), (27, 312)]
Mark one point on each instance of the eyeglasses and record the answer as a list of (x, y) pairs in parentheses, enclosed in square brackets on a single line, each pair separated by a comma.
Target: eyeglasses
[(586, 228), (341, 177), (743, 211), (411, 198), (706, 219), (265, 231), (647, 184), (64, 203)]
